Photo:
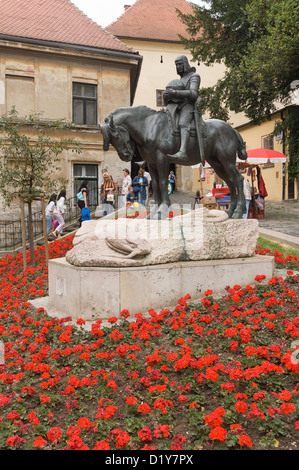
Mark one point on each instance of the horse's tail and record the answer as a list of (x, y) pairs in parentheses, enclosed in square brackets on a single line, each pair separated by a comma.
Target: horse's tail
[(241, 151)]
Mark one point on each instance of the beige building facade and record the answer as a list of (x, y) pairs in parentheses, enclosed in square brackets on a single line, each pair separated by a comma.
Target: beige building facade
[(81, 83), (278, 184)]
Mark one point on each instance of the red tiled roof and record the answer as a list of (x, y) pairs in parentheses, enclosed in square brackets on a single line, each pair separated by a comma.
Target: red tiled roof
[(153, 20), (55, 21)]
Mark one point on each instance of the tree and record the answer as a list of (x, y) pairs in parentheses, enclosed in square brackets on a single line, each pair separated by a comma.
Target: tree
[(290, 128), (30, 151)]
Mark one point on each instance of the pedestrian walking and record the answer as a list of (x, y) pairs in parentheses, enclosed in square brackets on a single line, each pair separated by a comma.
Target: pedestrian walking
[(127, 182), (82, 198), (140, 184), (247, 194), (58, 213), (106, 192), (49, 212), (171, 179), (149, 189)]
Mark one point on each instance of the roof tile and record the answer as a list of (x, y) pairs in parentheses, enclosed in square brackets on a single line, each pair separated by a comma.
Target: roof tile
[(55, 21), (152, 19)]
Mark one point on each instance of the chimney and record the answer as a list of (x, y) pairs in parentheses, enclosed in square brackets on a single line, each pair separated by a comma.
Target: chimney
[(126, 7)]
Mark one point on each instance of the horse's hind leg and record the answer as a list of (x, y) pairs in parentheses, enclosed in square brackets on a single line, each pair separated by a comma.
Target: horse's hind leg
[(227, 177), (234, 181), (241, 204)]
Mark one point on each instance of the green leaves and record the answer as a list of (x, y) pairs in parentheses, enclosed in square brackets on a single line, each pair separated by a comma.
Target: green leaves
[(31, 149), (258, 42)]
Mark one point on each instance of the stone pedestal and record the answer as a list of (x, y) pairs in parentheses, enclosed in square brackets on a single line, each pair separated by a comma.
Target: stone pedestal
[(94, 293), (118, 241)]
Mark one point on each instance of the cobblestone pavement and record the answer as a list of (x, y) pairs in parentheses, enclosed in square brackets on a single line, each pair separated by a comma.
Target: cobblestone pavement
[(280, 217)]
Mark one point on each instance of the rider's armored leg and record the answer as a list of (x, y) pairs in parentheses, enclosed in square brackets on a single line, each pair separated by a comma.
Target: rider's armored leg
[(185, 134)]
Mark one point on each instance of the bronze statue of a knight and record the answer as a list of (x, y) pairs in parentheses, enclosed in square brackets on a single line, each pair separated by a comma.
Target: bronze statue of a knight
[(184, 92)]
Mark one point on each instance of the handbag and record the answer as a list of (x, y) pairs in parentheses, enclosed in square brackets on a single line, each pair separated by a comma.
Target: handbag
[(55, 223), (260, 202), (110, 198), (85, 213), (80, 196)]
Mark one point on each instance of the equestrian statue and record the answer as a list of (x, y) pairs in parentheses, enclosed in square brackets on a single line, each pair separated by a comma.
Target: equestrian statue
[(178, 135)]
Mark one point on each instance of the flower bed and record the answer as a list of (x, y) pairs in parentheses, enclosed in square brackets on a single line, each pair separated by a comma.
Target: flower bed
[(219, 373)]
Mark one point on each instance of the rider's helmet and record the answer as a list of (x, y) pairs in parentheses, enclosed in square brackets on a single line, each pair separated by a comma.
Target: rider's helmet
[(183, 58)]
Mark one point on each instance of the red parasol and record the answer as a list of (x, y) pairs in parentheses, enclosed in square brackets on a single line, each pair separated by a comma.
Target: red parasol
[(262, 155)]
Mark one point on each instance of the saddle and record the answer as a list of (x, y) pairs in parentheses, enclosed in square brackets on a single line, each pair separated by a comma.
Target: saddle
[(173, 115)]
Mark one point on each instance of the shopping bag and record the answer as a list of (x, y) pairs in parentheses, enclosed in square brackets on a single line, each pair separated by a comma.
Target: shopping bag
[(85, 213)]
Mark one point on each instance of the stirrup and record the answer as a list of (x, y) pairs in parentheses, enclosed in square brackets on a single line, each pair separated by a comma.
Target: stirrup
[(179, 154)]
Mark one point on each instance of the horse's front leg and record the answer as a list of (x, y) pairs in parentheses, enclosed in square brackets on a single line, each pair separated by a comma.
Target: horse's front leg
[(156, 192), (163, 171), (155, 184), (160, 188)]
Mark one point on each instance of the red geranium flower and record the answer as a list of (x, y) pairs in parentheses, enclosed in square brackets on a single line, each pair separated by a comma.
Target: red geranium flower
[(218, 433), (144, 408), (145, 434), (39, 442), (54, 434), (244, 440)]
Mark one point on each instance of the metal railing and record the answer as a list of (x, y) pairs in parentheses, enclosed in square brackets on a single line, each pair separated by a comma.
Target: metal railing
[(11, 231)]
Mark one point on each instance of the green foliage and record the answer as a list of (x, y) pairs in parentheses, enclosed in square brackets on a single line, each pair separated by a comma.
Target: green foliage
[(30, 153), (290, 128), (258, 42), (218, 32), (274, 246)]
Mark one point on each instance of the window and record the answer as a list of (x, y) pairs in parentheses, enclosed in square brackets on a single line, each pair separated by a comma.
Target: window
[(20, 92), (267, 142), (89, 173), (84, 103), (159, 98)]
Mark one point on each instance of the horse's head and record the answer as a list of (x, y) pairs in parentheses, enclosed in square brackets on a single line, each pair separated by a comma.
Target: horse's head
[(119, 137), (104, 128)]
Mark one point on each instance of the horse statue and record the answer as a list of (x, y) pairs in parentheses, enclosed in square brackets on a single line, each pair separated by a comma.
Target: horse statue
[(140, 133)]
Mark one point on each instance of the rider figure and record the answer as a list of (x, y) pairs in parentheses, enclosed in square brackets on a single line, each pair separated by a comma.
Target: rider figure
[(186, 95)]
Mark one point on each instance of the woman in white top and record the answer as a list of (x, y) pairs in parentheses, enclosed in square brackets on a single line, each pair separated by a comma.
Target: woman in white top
[(58, 213), (49, 212), (247, 194), (127, 182)]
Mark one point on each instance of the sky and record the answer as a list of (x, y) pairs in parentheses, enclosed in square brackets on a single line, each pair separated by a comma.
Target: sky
[(102, 12)]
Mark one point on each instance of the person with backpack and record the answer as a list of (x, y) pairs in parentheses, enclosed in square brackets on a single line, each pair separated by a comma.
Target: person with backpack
[(82, 198), (140, 184), (171, 179)]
